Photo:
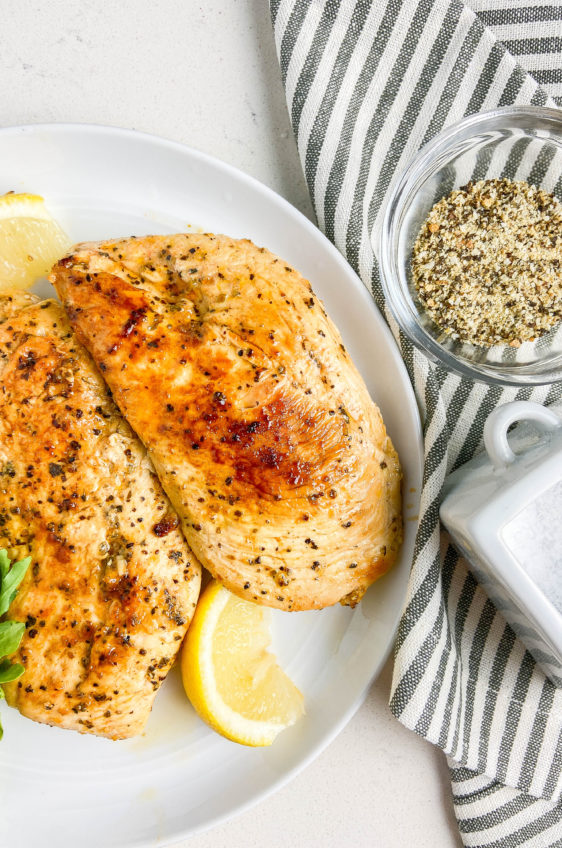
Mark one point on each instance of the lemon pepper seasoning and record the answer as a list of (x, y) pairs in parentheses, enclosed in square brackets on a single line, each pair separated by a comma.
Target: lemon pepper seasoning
[(487, 263)]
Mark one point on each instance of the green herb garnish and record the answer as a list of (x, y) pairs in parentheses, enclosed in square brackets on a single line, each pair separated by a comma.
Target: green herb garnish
[(11, 632)]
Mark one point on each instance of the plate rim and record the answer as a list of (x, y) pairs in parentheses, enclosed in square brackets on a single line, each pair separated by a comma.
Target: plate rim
[(61, 128)]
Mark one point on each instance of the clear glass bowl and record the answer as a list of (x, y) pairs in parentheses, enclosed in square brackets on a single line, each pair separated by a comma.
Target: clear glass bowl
[(516, 142)]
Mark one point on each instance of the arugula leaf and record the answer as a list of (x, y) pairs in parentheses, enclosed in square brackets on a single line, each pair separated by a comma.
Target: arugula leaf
[(10, 671), (10, 637), (4, 564), (10, 580), (11, 632)]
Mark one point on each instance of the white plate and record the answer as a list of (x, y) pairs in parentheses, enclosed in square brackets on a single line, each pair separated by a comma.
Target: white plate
[(60, 788)]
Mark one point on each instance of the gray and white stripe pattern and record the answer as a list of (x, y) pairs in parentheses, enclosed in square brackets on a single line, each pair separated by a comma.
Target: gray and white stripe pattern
[(368, 82), (532, 33)]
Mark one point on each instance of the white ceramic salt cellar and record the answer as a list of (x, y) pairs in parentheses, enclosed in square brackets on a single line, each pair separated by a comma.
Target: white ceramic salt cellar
[(503, 510)]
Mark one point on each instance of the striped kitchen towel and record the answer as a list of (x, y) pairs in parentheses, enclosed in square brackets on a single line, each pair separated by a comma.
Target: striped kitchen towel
[(368, 82)]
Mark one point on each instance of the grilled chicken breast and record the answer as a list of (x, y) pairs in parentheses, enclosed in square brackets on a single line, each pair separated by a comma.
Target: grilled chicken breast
[(260, 428), (113, 584)]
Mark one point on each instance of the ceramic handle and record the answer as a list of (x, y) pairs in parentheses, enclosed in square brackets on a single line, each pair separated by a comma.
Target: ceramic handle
[(501, 419)]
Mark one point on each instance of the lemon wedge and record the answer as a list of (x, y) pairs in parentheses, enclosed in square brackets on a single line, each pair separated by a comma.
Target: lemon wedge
[(31, 241), (229, 675)]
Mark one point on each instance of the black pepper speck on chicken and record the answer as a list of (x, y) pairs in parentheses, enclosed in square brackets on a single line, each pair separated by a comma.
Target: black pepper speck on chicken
[(112, 585), (261, 430)]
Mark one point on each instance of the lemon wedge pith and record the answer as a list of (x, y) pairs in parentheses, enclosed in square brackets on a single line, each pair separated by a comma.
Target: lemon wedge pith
[(31, 241), (229, 675)]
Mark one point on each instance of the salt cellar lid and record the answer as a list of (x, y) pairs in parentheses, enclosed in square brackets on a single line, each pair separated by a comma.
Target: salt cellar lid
[(503, 510)]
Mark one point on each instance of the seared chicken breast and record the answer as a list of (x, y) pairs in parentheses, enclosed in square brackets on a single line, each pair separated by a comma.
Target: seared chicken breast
[(261, 430), (112, 585)]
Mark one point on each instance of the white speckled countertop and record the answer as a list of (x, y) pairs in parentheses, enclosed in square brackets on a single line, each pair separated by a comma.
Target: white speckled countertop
[(206, 74)]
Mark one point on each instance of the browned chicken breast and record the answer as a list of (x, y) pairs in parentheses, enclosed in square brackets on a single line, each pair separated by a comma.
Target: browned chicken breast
[(112, 585), (260, 428)]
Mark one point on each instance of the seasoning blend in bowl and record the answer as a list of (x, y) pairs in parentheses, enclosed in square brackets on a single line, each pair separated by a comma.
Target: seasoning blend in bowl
[(486, 264), (470, 247)]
